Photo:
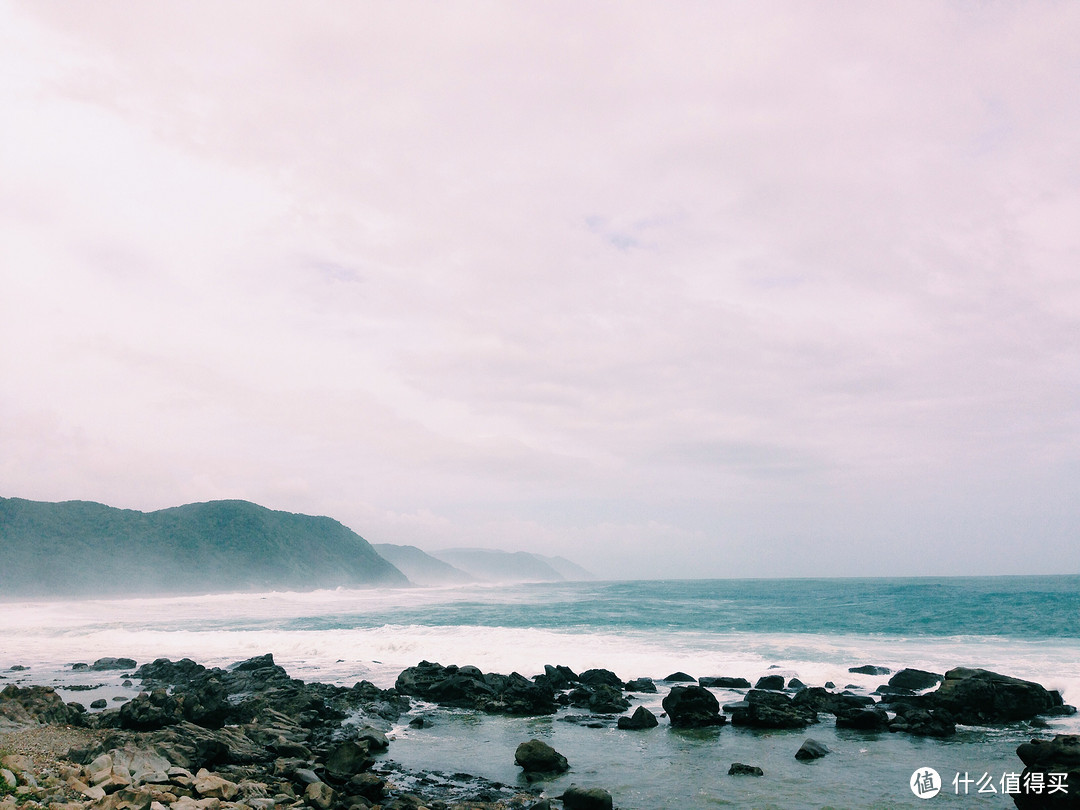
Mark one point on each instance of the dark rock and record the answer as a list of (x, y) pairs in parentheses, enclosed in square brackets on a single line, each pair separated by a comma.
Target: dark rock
[(113, 663), (915, 679), (830, 685), (774, 682), (763, 709), (893, 691), (580, 697), (723, 682), (811, 749), (536, 756), (692, 707), (582, 798), (556, 678), (922, 722), (79, 666), (166, 672), (978, 696), (738, 769), (869, 669), (149, 711), (36, 704), (264, 661), (420, 722), (607, 700), (520, 696), (468, 687), (1058, 756), (819, 699), (193, 747), (367, 784), (17, 668), (795, 683), (375, 739), (100, 703), (348, 759), (874, 719), (641, 719), (680, 677), (596, 677), (645, 685)]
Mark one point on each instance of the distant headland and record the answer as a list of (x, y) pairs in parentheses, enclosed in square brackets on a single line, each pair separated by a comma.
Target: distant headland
[(86, 549)]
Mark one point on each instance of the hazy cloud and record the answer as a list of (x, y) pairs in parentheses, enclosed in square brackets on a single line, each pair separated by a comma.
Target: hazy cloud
[(682, 289)]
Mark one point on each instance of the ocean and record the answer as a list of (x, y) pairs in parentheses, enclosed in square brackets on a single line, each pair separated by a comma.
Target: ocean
[(813, 629)]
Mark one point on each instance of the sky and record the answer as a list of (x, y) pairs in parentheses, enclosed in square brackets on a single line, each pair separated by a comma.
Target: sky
[(671, 289)]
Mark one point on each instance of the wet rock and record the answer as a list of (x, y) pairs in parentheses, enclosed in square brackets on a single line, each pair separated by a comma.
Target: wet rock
[(978, 696), (557, 677), (100, 703), (166, 672), (537, 757), (869, 669), (1057, 762), (645, 685), (723, 682), (774, 682), (596, 677), (795, 684), (468, 687), (607, 700), (915, 679), (921, 722), (739, 769), (868, 719), (680, 677), (764, 709), (375, 739), (692, 707), (811, 749), (887, 691), (104, 664), (640, 720), (586, 798), (819, 699)]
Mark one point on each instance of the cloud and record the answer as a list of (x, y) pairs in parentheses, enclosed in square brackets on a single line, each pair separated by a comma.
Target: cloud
[(772, 277)]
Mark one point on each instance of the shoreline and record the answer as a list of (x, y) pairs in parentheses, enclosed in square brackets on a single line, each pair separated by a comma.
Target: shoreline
[(310, 721)]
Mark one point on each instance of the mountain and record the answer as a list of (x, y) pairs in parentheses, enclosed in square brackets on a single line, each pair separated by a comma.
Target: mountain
[(420, 567), (507, 566), (569, 570), (81, 548)]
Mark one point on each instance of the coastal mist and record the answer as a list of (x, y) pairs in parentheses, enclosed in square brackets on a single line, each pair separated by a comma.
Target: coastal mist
[(813, 630)]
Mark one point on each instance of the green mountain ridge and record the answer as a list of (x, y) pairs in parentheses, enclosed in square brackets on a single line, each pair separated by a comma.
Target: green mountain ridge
[(422, 568), (85, 549)]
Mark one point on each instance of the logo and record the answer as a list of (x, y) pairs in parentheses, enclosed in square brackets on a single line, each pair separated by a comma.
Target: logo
[(925, 783)]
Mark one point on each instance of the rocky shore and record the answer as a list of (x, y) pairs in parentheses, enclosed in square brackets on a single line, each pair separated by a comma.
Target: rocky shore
[(250, 737)]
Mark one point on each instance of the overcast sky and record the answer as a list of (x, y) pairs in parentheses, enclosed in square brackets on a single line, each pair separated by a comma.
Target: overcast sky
[(672, 289)]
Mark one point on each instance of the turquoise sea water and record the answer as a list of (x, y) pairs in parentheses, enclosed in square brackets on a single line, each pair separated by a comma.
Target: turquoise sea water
[(1020, 607), (813, 629)]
